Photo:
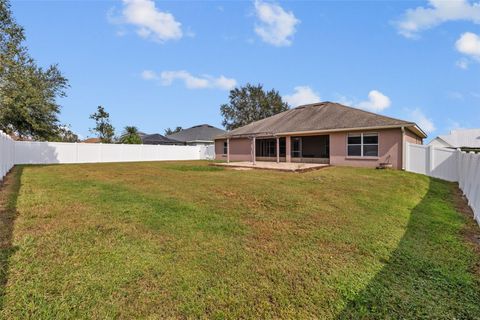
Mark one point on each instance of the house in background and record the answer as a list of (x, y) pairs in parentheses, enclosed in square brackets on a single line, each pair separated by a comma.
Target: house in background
[(465, 139), (203, 134), (157, 139), (92, 140), (324, 132)]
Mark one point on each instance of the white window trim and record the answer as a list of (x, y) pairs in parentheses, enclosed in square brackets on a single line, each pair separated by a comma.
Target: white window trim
[(361, 156)]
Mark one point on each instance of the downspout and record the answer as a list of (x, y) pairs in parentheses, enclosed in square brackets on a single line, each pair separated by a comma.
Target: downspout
[(404, 149)]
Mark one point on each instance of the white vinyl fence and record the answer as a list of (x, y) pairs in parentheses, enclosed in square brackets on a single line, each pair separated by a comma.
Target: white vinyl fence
[(27, 152), (450, 165), (7, 152)]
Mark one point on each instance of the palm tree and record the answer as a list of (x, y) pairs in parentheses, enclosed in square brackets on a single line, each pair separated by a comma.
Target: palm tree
[(130, 135)]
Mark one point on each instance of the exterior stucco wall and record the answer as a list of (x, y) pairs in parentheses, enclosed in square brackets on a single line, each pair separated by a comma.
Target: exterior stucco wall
[(389, 150), (240, 149), (411, 137)]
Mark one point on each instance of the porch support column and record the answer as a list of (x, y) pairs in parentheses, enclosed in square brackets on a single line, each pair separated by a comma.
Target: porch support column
[(288, 147), (254, 151), (278, 150), (228, 150)]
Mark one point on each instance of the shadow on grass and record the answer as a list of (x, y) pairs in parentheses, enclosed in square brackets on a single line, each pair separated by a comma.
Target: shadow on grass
[(9, 190), (430, 274)]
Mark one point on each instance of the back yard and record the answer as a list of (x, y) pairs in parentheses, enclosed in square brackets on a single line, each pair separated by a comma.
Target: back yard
[(185, 240)]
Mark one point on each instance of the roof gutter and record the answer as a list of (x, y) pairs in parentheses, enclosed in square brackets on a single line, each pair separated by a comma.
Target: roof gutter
[(199, 141)]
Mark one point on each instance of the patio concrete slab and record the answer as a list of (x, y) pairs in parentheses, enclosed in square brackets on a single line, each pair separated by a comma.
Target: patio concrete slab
[(265, 165)]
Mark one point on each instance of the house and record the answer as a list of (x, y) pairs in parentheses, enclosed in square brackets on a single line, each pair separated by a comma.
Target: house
[(92, 140), (202, 134), (157, 138), (465, 139), (323, 132)]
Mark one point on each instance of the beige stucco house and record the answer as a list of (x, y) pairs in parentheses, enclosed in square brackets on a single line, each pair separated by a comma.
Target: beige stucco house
[(323, 132)]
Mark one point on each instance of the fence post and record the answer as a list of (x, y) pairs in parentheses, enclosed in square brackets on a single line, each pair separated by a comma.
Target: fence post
[(458, 154), (76, 148), (431, 159), (475, 187), (471, 176)]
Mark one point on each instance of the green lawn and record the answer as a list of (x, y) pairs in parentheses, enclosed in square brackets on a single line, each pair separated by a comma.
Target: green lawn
[(185, 240)]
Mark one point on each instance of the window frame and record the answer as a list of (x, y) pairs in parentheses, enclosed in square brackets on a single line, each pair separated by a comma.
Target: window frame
[(362, 144), (225, 147)]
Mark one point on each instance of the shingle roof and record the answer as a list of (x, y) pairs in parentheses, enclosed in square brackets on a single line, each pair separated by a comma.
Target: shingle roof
[(92, 140), (467, 138), (322, 116), (203, 132), (157, 138)]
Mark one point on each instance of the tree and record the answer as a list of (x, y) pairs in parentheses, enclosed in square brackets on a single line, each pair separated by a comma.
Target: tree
[(169, 131), (103, 128), (65, 134), (130, 136), (250, 103), (28, 93)]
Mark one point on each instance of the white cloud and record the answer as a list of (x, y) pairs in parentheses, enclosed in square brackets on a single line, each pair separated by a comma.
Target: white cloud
[(439, 11), (425, 123), (462, 64), (455, 95), (469, 44), (151, 23), (376, 102), (149, 75), (302, 95), (276, 26), (191, 82), (343, 99), (454, 125)]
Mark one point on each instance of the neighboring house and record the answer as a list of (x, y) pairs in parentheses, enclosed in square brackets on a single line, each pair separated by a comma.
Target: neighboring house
[(203, 134), (92, 140), (157, 138), (324, 132), (465, 139)]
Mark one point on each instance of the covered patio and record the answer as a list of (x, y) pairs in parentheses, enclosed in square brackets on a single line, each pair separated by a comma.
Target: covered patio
[(288, 149), (269, 165)]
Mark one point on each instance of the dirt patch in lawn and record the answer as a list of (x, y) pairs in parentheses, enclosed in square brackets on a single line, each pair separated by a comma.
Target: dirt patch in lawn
[(471, 230), (8, 198)]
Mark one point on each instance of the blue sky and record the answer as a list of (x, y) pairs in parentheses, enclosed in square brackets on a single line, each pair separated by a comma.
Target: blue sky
[(159, 64)]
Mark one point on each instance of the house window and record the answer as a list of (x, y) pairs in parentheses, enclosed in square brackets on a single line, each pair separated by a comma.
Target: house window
[(362, 145), (296, 147), (266, 148), (225, 147)]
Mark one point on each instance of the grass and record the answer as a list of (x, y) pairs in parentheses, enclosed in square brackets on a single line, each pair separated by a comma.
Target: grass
[(185, 240)]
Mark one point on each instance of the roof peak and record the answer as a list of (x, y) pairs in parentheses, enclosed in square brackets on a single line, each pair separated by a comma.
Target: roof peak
[(205, 125)]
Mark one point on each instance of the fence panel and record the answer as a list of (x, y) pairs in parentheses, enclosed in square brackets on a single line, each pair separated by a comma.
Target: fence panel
[(450, 165), (208, 152), (444, 163), (417, 159), (27, 152), (7, 154)]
